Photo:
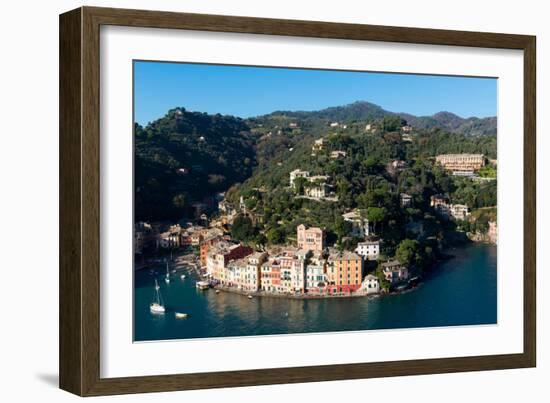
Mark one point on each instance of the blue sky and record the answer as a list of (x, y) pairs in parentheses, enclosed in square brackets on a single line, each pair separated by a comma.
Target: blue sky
[(251, 91)]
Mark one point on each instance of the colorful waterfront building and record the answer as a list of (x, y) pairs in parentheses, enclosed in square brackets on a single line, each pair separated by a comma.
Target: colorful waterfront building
[(185, 239), (253, 266), (196, 238), (244, 274), (395, 272), (344, 271), (289, 262), (370, 285), (205, 246), (270, 276), (299, 270), (316, 280), (219, 257), (234, 274)]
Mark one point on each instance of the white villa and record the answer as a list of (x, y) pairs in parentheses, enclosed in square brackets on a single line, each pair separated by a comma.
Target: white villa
[(370, 285), (459, 211), (317, 191), (298, 173), (359, 225), (338, 154), (370, 250), (315, 277), (405, 199), (318, 145)]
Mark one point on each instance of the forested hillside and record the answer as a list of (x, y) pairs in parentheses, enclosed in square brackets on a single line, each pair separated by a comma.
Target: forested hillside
[(363, 179), (186, 156)]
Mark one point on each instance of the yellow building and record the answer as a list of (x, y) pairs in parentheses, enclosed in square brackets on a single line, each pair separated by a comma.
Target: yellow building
[(461, 163)]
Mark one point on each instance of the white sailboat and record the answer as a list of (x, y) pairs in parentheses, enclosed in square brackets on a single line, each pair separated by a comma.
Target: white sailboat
[(167, 277), (157, 306)]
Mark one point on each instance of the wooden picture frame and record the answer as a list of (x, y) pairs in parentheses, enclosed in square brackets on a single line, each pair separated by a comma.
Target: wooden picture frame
[(80, 185)]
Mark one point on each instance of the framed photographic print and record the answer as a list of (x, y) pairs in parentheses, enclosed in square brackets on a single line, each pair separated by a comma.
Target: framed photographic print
[(249, 201)]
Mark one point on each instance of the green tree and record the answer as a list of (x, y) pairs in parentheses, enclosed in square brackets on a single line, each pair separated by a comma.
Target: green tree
[(376, 215), (275, 236), (243, 229), (299, 185), (180, 201), (392, 123), (408, 251)]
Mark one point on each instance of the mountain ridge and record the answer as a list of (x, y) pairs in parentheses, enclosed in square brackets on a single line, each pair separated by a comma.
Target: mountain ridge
[(368, 111)]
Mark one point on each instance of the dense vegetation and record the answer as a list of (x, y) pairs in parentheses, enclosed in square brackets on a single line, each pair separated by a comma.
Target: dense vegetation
[(364, 180), (186, 157)]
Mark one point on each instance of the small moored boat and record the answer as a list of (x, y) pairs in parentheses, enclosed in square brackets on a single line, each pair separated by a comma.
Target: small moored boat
[(202, 285), (157, 306), (250, 297), (181, 315)]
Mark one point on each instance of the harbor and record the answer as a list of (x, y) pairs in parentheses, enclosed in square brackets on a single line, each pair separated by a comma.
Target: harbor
[(469, 277)]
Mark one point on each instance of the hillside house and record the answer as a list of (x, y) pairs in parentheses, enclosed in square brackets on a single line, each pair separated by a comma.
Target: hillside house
[(405, 200), (338, 154), (370, 249), (395, 272), (359, 225), (461, 164), (459, 211), (298, 173)]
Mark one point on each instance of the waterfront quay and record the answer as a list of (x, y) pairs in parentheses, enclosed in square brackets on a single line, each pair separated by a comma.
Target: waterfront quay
[(469, 277)]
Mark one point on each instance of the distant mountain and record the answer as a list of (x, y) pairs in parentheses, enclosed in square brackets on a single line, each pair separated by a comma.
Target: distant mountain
[(360, 110), (449, 121), (366, 111)]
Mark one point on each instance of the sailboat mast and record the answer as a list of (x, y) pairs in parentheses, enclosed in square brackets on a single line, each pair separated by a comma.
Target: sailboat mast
[(157, 292)]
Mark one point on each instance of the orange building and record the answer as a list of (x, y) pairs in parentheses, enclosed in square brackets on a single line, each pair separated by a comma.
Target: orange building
[(344, 272), (205, 246)]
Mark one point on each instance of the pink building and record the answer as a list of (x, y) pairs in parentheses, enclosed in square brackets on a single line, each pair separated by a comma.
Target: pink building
[(310, 238)]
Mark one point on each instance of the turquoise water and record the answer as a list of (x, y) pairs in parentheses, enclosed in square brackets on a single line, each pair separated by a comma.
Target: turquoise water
[(460, 291)]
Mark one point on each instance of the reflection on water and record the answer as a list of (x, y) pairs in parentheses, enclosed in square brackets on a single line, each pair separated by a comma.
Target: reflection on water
[(461, 291)]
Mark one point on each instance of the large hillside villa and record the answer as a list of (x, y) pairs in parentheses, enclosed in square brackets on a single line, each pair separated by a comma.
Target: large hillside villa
[(461, 164)]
